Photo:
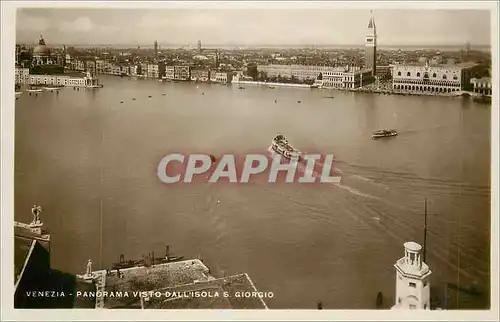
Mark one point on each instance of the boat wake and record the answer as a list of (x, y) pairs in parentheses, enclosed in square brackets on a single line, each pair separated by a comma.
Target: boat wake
[(371, 181), (357, 192)]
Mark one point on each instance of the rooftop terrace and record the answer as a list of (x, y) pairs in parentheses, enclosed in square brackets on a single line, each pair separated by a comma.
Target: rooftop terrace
[(157, 287)]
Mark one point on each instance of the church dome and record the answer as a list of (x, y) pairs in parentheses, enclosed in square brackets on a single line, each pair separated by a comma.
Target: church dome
[(41, 49)]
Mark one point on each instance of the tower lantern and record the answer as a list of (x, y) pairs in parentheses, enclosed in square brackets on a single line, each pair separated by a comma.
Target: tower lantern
[(412, 279)]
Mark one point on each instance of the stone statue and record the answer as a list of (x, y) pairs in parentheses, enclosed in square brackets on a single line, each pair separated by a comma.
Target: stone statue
[(89, 268), (36, 210)]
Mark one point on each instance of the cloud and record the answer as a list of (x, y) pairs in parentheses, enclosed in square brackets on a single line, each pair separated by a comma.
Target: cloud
[(81, 24), (32, 24)]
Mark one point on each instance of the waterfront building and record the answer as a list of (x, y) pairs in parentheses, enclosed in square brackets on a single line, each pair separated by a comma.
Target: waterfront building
[(124, 70), (169, 72), (181, 73), (299, 72), (371, 46), (90, 66), (431, 78), (346, 77), (144, 69), (156, 50), (200, 75), (241, 77), (67, 79), (331, 77), (199, 46), (482, 85), (152, 71), (133, 70), (221, 77), (412, 279), (116, 70), (22, 75), (100, 66), (79, 65)]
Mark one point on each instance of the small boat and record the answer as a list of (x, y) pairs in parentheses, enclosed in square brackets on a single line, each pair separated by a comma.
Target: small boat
[(149, 96), (241, 87), (299, 101), (133, 99), (281, 146), (384, 133), (34, 90), (121, 102), (328, 97), (163, 94), (272, 87)]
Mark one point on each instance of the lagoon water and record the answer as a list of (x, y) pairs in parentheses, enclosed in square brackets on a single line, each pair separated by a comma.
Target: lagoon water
[(90, 162)]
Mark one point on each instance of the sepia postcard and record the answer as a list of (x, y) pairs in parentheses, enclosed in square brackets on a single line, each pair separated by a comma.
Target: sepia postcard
[(249, 160)]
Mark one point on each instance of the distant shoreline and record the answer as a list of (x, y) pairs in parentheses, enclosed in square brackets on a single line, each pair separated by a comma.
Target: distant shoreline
[(267, 47)]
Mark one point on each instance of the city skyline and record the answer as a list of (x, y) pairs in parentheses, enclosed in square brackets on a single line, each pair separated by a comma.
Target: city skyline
[(238, 27)]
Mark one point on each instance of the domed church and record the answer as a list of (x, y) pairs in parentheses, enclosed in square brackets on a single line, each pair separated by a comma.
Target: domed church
[(41, 54)]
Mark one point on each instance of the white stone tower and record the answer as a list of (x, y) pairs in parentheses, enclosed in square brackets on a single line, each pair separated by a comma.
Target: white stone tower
[(412, 280), (371, 46)]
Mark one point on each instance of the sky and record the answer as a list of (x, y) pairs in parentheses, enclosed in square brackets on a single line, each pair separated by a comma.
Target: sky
[(250, 27)]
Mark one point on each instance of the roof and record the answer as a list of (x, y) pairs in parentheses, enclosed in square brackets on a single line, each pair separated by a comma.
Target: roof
[(221, 293), (152, 278), (184, 276), (67, 74), (412, 246)]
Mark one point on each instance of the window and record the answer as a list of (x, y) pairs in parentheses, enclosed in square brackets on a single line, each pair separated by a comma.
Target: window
[(413, 285), (408, 74), (418, 74), (413, 306), (444, 76), (455, 77), (434, 75), (399, 73)]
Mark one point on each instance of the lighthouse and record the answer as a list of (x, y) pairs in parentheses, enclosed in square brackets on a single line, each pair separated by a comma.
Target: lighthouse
[(412, 279)]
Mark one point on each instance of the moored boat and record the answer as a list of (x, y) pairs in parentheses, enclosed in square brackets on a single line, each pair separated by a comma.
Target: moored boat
[(384, 133)]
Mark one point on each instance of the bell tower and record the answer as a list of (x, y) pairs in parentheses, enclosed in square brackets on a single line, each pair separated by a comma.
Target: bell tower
[(371, 46), (412, 280)]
